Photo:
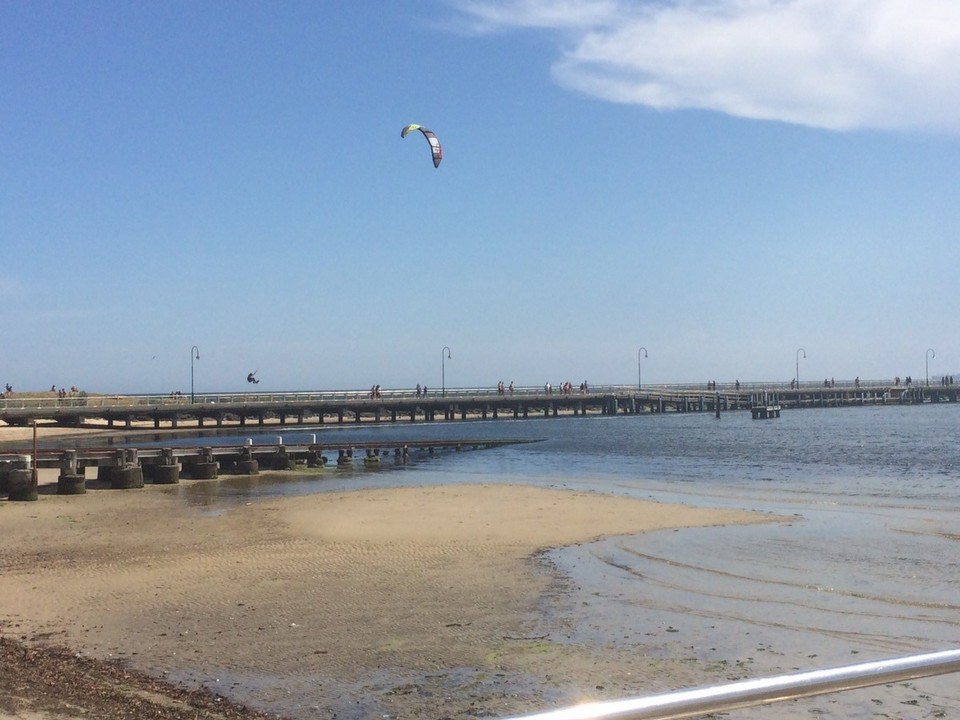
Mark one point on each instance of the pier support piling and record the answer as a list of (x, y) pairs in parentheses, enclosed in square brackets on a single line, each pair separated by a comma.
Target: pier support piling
[(21, 485)]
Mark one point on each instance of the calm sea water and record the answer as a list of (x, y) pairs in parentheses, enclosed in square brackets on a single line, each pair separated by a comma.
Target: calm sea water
[(866, 564), (885, 455)]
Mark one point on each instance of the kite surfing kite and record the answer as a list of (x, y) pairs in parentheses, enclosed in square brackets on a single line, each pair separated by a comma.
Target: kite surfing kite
[(431, 138)]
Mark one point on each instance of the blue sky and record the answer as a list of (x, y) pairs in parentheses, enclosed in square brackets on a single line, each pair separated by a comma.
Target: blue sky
[(721, 182)]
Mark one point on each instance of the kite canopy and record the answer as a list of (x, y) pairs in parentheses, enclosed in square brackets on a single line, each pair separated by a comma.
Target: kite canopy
[(431, 138)]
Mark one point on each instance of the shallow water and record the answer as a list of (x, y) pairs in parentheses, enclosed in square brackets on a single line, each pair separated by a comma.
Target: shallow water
[(864, 565)]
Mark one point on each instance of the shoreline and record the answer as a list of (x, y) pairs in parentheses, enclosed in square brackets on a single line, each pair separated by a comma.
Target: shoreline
[(351, 603)]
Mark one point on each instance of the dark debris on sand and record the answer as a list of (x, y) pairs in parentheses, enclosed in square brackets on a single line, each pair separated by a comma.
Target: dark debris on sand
[(58, 683)]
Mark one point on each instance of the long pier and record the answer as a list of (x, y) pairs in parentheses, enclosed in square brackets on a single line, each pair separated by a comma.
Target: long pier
[(318, 408)]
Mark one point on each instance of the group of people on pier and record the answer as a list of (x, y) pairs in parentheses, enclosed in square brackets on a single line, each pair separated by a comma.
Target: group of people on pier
[(62, 393), (503, 390), (566, 388)]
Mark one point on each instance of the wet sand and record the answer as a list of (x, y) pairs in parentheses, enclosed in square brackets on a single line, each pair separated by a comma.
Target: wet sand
[(420, 602)]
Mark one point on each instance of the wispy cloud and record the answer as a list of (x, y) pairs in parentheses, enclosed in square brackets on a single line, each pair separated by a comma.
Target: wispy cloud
[(837, 64)]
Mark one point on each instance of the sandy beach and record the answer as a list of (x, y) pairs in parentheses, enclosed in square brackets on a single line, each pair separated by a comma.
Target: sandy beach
[(420, 602), (23, 436)]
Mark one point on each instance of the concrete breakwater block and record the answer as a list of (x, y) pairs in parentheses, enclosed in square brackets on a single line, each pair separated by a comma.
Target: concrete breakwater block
[(282, 461), (71, 484), (166, 474), (23, 462), (21, 485), (127, 477), (5, 468), (248, 467), (201, 470), (315, 459)]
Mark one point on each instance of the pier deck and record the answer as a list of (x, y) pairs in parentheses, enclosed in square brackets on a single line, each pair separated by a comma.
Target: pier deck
[(318, 408), (124, 468), (300, 452)]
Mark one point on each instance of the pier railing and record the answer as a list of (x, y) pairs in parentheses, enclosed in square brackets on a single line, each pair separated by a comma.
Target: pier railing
[(51, 400), (765, 691)]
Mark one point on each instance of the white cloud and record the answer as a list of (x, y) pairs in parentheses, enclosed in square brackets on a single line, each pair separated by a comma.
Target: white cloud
[(838, 64)]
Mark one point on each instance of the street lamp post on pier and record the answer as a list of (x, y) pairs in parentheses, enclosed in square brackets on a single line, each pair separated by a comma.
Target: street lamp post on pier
[(443, 371), (644, 351), (799, 350), (929, 354), (194, 354)]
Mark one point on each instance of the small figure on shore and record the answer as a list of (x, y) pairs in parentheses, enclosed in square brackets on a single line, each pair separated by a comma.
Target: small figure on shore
[(424, 390), (511, 387), (419, 390)]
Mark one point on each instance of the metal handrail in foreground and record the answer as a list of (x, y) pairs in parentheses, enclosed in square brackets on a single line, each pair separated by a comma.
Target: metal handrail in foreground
[(748, 693)]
